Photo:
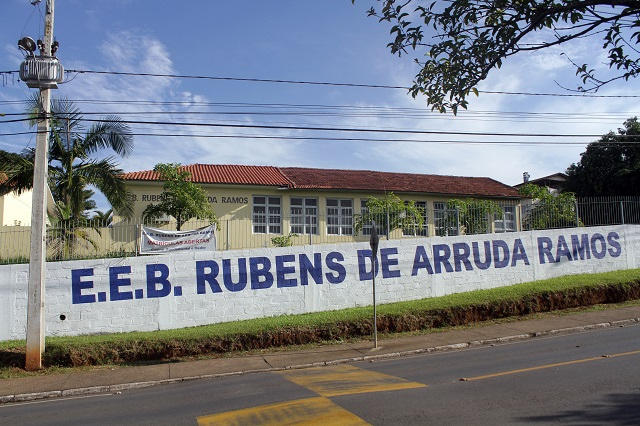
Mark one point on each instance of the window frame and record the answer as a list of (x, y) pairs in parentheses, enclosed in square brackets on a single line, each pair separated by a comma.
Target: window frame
[(424, 232), (343, 219), (439, 215), (307, 219), (268, 216), (500, 225)]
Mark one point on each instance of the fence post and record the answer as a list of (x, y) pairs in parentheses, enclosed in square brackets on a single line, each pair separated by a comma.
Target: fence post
[(388, 224), (136, 234), (622, 211), (457, 220), (519, 213), (577, 216), (227, 233)]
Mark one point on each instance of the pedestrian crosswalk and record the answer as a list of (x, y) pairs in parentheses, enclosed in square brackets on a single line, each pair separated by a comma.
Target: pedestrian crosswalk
[(327, 382)]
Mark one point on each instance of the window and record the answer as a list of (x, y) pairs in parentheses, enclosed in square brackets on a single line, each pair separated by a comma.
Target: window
[(339, 217), (267, 217), (508, 221), (366, 227), (445, 220), (414, 230), (304, 215)]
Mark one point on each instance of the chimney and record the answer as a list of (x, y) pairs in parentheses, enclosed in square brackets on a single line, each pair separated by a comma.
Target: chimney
[(525, 177)]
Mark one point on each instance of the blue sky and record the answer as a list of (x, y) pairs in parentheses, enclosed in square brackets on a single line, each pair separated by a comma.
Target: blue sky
[(320, 41)]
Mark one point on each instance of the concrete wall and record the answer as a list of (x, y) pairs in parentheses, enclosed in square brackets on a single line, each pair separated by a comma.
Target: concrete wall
[(197, 288)]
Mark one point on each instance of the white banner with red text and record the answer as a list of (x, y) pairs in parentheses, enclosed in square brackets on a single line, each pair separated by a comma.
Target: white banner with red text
[(157, 241)]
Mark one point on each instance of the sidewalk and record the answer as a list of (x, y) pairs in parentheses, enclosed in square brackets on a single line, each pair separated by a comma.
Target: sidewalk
[(121, 378)]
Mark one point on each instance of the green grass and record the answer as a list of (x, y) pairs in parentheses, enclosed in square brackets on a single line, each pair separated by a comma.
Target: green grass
[(197, 335)]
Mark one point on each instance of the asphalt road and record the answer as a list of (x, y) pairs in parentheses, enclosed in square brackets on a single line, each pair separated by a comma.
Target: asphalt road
[(589, 378)]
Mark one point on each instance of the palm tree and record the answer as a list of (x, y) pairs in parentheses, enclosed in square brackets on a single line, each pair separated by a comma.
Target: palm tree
[(71, 168), (69, 234), (103, 219)]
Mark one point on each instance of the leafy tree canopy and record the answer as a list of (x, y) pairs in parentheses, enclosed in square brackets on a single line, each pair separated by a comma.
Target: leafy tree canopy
[(71, 166), (474, 216), (548, 210), (181, 198), (610, 166), (390, 213), (470, 38)]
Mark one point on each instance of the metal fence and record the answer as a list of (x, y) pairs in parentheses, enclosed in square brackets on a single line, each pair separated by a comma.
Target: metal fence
[(344, 224)]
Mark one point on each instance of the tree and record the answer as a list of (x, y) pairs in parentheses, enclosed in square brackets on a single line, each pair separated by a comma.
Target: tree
[(68, 233), (103, 219), (548, 210), (610, 166), (71, 168), (390, 213), (473, 37), (181, 198), (471, 215)]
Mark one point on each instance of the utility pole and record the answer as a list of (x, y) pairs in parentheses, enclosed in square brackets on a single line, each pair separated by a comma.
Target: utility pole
[(37, 261)]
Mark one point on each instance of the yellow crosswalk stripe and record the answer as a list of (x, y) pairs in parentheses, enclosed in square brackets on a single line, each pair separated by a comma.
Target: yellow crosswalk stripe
[(326, 382), (346, 380), (311, 411)]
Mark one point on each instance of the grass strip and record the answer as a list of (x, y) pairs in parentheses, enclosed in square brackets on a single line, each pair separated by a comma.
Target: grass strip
[(458, 309)]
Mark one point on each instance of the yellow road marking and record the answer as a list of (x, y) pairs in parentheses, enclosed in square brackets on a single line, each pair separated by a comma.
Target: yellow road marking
[(312, 411), (346, 380), (542, 367)]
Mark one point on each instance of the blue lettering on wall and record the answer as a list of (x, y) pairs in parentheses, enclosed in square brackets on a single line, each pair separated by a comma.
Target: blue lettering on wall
[(461, 253), (500, 246), (519, 253), (206, 273), (487, 255), (259, 267), (441, 255), (242, 275), (616, 249), (544, 250), (563, 249), (387, 262), (77, 285), (580, 247), (307, 268), (333, 260), (421, 261), (599, 250), (365, 270), (154, 279), (115, 282), (282, 270), (290, 269)]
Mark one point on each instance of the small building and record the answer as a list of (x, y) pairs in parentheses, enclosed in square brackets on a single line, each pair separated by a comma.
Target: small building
[(553, 183), (15, 210), (256, 203)]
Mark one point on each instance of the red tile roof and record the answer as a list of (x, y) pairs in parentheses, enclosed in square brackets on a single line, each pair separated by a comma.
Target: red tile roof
[(331, 179), (396, 182), (223, 174)]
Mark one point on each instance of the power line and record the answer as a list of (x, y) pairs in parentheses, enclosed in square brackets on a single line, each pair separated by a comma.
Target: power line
[(322, 83), (331, 129), (325, 83), (347, 129), (357, 139)]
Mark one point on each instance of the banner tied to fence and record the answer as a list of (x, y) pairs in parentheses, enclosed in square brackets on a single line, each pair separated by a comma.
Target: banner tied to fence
[(154, 240)]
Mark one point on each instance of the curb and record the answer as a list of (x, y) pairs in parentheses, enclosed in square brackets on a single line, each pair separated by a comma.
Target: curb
[(107, 389)]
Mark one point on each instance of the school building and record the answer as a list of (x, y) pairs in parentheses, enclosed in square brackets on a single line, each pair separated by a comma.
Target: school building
[(256, 203)]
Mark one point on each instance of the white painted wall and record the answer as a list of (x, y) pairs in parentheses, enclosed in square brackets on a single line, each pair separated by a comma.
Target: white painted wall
[(128, 294), (15, 210)]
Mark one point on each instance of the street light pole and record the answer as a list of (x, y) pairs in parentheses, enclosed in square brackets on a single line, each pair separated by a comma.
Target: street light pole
[(37, 261)]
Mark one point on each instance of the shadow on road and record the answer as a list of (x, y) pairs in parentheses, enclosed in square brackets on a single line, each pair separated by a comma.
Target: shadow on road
[(618, 409)]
